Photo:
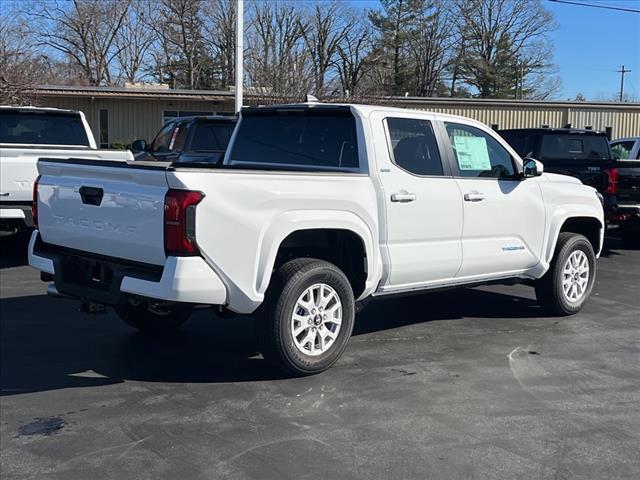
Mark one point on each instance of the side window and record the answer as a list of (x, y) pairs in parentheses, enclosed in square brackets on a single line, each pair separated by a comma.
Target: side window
[(622, 150), (478, 154), (414, 147), (163, 139)]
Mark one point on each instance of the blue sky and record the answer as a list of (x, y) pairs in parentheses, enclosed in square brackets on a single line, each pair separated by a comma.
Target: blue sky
[(590, 44)]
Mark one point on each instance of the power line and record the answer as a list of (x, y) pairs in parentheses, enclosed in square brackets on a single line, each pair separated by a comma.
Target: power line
[(607, 7)]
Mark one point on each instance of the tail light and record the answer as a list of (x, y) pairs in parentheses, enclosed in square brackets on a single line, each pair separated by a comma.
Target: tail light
[(34, 203), (180, 222), (612, 185)]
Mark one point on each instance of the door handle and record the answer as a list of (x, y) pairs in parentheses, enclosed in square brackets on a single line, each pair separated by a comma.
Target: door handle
[(474, 197), (4, 194), (91, 195), (403, 197)]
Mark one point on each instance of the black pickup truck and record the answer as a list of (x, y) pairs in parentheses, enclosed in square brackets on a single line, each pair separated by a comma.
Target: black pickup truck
[(586, 155), (188, 140)]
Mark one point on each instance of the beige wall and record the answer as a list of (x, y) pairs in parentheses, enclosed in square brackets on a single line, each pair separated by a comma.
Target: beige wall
[(130, 119)]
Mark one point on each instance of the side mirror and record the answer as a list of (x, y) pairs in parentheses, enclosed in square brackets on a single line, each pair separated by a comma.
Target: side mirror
[(532, 168), (138, 146)]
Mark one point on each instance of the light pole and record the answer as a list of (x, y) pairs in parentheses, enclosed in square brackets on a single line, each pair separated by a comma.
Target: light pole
[(239, 52)]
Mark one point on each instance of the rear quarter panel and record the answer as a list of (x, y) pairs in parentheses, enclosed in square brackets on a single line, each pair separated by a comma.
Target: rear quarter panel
[(246, 214)]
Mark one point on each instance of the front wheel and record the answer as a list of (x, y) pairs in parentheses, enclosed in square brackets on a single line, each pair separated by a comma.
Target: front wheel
[(307, 317), (153, 320), (566, 286)]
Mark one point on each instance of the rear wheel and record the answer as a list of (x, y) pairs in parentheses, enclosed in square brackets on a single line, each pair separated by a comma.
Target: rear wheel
[(569, 281), (155, 320), (307, 317)]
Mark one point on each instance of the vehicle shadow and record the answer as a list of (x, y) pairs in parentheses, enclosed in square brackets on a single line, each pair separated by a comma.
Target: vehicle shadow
[(46, 344), (13, 250)]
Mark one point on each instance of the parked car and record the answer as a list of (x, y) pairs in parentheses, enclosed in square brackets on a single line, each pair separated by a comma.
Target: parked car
[(626, 174), (27, 133), (626, 148), (184, 140), (315, 209)]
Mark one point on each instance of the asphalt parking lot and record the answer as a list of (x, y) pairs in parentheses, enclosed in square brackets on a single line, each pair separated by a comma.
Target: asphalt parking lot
[(472, 383)]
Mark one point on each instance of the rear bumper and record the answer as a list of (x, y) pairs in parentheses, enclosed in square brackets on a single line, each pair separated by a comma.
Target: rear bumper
[(107, 280), (19, 212), (629, 217)]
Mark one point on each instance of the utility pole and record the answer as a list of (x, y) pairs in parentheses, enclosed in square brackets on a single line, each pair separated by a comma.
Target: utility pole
[(239, 53), (622, 71)]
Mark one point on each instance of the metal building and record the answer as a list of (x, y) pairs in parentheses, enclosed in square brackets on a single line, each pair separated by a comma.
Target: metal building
[(120, 115)]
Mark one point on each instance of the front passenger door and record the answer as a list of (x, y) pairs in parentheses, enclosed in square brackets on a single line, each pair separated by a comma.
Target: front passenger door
[(504, 215)]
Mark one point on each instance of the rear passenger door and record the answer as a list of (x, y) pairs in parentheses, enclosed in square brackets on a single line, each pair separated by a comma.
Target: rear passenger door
[(422, 202), (504, 215)]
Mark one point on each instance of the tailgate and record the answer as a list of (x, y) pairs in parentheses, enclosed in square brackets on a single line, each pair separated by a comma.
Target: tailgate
[(18, 167), (592, 173), (104, 207), (628, 182)]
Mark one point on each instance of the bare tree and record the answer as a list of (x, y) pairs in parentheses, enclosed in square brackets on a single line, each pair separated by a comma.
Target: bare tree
[(277, 65), (219, 40), (323, 33), (84, 31), (494, 32), (355, 56), (134, 39), (430, 44), (182, 37)]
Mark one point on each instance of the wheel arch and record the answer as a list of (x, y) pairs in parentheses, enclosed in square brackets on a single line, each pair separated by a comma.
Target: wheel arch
[(590, 226), (296, 234)]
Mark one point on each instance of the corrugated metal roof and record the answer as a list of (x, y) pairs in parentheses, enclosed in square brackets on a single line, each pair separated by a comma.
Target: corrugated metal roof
[(84, 91), (126, 92)]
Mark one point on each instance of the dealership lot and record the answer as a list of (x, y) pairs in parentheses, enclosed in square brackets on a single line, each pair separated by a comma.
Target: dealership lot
[(457, 384)]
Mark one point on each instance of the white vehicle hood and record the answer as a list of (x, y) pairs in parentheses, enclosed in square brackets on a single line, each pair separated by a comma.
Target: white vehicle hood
[(557, 178)]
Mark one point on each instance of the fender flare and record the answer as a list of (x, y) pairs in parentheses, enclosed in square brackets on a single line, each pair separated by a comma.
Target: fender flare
[(560, 215), (294, 220)]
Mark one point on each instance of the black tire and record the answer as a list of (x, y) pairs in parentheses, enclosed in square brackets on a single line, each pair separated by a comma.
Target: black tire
[(549, 289), (275, 320), (153, 322)]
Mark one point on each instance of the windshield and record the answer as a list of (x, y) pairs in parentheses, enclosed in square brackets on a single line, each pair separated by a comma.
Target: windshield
[(574, 147), (42, 128), (211, 136)]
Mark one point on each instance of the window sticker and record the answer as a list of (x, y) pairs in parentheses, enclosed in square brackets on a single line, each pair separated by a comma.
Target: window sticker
[(472, 153)]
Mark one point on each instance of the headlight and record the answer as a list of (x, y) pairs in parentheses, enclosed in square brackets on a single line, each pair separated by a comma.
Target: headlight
[(600, 197)]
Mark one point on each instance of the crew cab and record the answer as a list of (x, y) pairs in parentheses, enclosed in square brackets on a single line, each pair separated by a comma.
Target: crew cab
[(316, 209), (196, 139), (27, 133)]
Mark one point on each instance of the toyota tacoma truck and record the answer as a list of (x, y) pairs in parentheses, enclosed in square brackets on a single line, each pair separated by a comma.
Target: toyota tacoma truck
[(315, 209), (27, 133)]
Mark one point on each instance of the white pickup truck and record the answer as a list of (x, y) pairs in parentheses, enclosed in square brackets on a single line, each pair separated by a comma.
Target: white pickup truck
[(27, 133), (315, 209)]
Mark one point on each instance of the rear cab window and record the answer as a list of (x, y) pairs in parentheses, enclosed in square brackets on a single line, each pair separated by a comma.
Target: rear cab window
[(42, 128), (304, 139), (555, 146)]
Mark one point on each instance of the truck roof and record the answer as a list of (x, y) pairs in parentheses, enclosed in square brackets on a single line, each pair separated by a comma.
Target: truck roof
[(39, 109), (363, 110), (562, 131)]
